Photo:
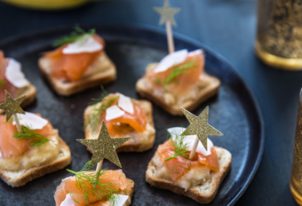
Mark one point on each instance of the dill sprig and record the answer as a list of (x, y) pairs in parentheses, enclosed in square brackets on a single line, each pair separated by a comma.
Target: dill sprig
[(75, 35), (98, 99), (177, 71), (89, 183), (35, 138), (112, 200), (2, 83), (88, 166), (180, 147)]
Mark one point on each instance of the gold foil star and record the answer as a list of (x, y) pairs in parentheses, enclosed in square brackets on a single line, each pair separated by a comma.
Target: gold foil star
[(11, 106), (104, 147), (167, 13), (199, 126)]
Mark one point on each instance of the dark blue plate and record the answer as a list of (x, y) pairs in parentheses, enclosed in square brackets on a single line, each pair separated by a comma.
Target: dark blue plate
[(233, 111)]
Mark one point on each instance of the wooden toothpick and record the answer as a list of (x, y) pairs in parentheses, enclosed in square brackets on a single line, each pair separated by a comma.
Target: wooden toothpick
[(193, 151), (170, 39), (167, 14)]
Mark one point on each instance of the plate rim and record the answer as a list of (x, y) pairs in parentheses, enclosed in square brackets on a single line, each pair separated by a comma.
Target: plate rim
[(5, 42)]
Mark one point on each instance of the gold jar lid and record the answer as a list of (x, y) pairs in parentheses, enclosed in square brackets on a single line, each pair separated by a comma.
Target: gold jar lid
[(46, 4)]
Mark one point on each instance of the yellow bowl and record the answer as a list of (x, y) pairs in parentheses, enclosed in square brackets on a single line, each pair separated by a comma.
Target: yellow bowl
[(47, 4)]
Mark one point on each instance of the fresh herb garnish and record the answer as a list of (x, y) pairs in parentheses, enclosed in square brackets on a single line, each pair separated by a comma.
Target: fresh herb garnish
[(180, 147), (177, 71), (35, 138), (75, 35), (112, 199), (103, 94), (89, 183), (2, 83), (88, 166)]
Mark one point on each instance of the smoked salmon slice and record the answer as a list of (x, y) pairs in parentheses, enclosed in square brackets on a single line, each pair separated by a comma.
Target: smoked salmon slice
[(136, 121), (71, 67), (180, 78), (10, 146), (128, 122), (84, 193), (179, 166)]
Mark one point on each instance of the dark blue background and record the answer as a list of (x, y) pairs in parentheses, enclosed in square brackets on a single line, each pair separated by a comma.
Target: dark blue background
[(227, 27)]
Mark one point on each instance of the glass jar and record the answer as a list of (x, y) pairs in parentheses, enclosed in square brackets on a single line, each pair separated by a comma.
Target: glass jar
[(279, 33)]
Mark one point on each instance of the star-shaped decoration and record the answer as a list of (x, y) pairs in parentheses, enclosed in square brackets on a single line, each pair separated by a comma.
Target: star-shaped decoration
[(104, 147), (11, 106), (199, 126), (167, 13)]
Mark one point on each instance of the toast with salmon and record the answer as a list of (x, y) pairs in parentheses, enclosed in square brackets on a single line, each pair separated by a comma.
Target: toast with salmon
[(198, 176), (102, 71), (78, 64), (29, 148), (181, 84), (112, 188), (139, 126), (14, 81), (22, 177), (204, 193)]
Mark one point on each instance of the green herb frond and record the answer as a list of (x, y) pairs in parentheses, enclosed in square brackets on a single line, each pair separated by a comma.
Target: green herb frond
[(2, 83), (98, 99), (180, 147), (89, 184), (35, 138), (75, 35), (177, 71), (88, 166), (112, 199)]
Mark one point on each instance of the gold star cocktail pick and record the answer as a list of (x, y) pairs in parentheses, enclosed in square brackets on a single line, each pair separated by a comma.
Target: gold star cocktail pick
[(104, 147), (167, 15), (11, 107), (200, 127)]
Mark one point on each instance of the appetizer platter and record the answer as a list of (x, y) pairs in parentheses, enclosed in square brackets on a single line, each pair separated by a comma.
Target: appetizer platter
[(135, 71)]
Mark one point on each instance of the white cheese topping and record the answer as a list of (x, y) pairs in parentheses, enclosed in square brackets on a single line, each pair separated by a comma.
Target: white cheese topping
[(125, 103), (171, 60), (14, 74), (68, 201), (120, 200), (189, 140), (196, 52), (176, 131), (113, 112), (85, 44), (31, 120)]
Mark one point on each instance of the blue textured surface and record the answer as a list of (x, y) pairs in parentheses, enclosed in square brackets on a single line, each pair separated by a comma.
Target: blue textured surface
[(227, 27)]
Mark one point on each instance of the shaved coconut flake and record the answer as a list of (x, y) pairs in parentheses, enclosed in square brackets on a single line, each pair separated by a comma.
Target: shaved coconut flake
[(68, 201), (171, 60), (120, 200), (113, 112), (126, 104), (31, 120), (196, 52), (14, 74), (189, 141), (84, 44)]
